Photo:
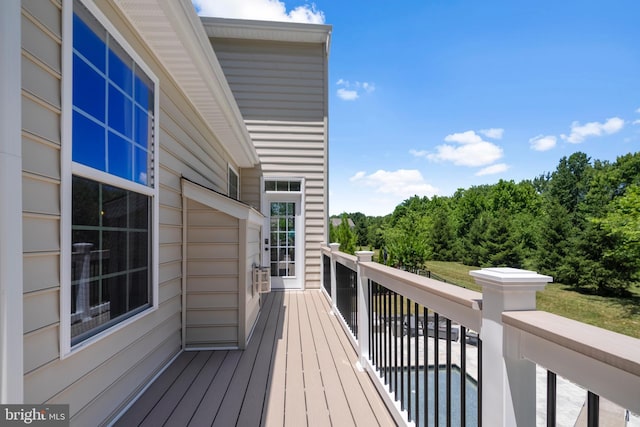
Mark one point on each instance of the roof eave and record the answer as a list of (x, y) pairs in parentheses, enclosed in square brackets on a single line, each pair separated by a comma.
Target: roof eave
[(182, 46)]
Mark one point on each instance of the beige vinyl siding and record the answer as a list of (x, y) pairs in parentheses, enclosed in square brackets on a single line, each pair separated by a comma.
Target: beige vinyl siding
[(100, 379), (212, 278), (281, 91)]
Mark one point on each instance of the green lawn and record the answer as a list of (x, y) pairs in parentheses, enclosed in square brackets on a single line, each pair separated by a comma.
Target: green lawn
[(616, 314)]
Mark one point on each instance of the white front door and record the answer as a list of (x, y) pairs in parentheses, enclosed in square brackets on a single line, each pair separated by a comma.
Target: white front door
[(284, 245)]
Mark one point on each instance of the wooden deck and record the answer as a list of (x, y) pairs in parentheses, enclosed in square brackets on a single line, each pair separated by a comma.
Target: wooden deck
[(299, 369)]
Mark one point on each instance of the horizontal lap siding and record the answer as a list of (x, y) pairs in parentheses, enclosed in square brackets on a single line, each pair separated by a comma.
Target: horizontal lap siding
[(281, 91), (99, 380), (212, 277)]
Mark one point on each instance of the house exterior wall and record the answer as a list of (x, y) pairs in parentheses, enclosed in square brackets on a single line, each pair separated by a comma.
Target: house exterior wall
[(281, 89), (99, 379), (212, 278)]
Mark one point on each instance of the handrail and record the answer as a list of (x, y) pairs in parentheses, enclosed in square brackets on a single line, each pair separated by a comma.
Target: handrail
[(461, 305), (605, 362)]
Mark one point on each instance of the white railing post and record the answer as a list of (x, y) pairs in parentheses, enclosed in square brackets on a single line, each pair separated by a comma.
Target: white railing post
[(335, 247), (508, 380), (363, 307)]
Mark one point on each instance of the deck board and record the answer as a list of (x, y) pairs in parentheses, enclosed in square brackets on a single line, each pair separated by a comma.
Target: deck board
[(299, 369)]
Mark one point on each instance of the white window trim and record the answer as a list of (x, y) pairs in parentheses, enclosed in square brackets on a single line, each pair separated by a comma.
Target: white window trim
[(11, 257), (69, 168)]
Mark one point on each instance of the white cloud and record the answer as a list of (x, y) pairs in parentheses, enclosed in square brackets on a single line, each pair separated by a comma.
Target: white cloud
[(472, 151), (402, 183), (580, 132), (350, 91), (347, 95), (542, 142), (638, 111), (421, 153), (468, 137), (267, 10), (357, 176), (636, 122), (493, 133), (493, 169)]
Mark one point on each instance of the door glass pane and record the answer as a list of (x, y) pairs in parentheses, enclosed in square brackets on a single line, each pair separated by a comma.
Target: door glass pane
[(283, 240)]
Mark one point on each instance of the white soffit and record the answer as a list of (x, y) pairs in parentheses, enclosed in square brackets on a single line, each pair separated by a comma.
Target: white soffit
[(266, 30), (173, 30)]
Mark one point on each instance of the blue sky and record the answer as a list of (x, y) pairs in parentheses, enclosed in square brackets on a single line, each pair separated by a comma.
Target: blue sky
[(430, 96)]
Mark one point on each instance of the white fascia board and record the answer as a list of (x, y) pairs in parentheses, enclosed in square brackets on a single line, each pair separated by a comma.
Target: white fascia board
[(266, 30), (220, 202), (175, 34)]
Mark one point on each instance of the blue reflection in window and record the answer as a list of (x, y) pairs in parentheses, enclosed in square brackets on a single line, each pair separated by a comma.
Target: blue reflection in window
[(88, 89), (143, 94), (141, 166), (91, 150), (112, 105), (120, 157), (120, 73), (120, 112), (141, 132), (88, 43)]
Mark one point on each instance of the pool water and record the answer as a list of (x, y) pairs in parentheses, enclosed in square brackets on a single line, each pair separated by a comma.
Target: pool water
[(471, 396)]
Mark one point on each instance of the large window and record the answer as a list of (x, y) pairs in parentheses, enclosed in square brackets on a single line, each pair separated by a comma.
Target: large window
[(112, 185)]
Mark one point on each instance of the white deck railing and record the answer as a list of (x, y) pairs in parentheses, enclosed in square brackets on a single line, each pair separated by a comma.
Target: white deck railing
[(515, 338)]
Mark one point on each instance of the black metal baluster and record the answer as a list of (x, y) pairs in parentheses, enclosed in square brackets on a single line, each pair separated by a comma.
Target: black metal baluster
[(463, 376), (448, 348), (401, 333), (425, 362), (436, 368), (479, 382), (416, 310), (395, 345), (593, 410), (388, 341), (551, 399)]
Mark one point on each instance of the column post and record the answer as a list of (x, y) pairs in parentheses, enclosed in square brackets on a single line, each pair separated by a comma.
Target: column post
[(363, 306), (509, 382), (335, 247)]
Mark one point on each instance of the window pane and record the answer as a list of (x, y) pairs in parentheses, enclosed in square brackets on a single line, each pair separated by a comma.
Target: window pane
[(120, 157), (120, 112), (87, 43), (269, 185), (120, 73), (88, 89), (111, 260), (114, 245), (139, 211), (294, 186), (85, 203), (88, 142), (118, 290), (141, 166), (143, 91), (142, 125), (139, 249), (114, 207)]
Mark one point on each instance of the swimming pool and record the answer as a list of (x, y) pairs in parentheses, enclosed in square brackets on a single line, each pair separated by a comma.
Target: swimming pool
[(471, 404)]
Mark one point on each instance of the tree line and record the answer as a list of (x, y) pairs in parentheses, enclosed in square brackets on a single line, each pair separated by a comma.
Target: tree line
[(579, 224)]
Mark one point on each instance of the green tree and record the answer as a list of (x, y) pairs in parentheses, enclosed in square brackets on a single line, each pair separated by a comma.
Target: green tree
[(344, 235)]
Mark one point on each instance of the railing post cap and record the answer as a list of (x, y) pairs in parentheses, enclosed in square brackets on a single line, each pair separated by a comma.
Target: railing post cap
[(505, 278), (334, 246), (364, 256)]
